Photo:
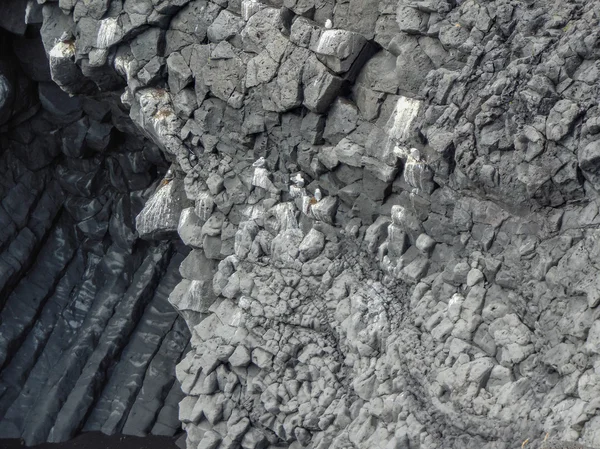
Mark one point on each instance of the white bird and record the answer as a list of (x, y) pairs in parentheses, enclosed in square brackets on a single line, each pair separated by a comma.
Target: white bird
[(169, 176), (260, 162), (328, 24), (65, 36), (298, 180), (415, 154), (318, 194)]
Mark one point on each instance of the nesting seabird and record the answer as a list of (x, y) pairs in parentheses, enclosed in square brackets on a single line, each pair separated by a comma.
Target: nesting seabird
[(298, 180), (260, 162), (169, 176), (415, 154), (65, 36), (318, 194)]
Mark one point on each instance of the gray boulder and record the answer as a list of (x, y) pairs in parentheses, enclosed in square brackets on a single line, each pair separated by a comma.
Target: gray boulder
[(338, 49), (180, 74), (224, 27), (560, 119), (159, 219), (589, 161)]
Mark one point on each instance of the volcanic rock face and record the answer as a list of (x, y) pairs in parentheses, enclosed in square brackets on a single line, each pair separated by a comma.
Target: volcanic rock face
[(88, 339), (392, 208)]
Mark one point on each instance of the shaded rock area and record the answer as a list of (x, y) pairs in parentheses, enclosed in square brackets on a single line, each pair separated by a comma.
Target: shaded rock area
[(88, 340), (391, 210), (98, 440)]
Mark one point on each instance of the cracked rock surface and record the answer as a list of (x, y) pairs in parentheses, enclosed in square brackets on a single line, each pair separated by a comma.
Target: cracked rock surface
[(88, 339), (391, 208)]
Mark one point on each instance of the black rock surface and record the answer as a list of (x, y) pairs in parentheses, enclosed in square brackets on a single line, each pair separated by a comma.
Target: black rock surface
[(88, 339)]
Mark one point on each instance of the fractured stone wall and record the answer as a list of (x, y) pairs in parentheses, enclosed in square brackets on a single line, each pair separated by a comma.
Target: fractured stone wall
[(391, 207)]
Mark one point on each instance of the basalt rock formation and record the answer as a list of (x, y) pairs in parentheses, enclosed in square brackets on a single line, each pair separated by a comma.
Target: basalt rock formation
[(88, 339), (391, 210)]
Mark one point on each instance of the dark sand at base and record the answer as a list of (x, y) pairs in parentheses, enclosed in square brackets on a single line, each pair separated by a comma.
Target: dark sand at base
[(97, 440)]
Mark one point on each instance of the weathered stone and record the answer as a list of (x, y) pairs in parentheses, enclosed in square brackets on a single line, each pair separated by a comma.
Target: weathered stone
[(190, 228), (98, 135), (425, 243), (412, 65), (320, 87), (313, 126), (560, 119), (58, 103), (338, 49), (441, 242), (240, 357), (311, 245), (411, 20), (225, 26), (325, 209), (160, 217), (342, 120), (378, 74), (185, 102), (589, 161), (180, 74)]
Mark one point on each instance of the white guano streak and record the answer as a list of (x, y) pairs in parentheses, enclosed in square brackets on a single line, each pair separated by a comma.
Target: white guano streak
[(405, 112), (249, 8), (108, 33)]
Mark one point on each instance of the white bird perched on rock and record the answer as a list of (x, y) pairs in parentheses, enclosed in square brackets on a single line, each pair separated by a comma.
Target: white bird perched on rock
[(260, 162), (328, 24), (298, 180), (415, 154), (65, 36), (169, 176), (318, 194)]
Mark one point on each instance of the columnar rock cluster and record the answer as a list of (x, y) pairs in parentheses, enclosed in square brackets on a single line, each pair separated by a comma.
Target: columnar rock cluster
[(392, 208), (88, 339)]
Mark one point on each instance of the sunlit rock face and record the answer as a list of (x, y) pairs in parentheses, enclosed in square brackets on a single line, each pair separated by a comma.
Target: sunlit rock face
[(390, 210)]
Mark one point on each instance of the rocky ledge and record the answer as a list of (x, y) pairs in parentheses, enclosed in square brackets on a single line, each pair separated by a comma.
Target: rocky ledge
[(391, 207)]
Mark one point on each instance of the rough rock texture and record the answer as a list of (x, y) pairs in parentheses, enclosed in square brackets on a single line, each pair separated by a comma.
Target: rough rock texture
[(88, 339), (394, 212)]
